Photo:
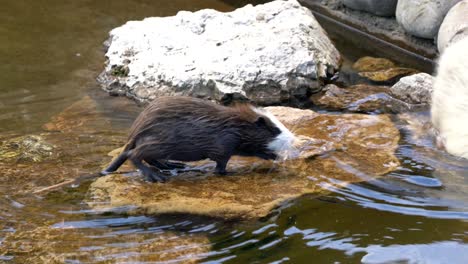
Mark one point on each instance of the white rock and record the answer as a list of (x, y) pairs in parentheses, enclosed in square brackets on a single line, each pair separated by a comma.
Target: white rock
[(422, 18), (376, 7), (266, 53), (450, 99), (414, 89), (454, 27)]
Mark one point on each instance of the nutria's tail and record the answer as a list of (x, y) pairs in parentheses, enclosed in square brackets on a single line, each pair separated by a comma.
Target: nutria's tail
[(116, 163)]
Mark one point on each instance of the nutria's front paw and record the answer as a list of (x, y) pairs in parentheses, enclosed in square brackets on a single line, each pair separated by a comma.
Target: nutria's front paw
[(104, 173), (152, 176)]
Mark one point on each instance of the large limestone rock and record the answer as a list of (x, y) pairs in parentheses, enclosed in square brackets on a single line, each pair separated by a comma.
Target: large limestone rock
[(414, 89), (422, 18), (268, 53), (377, 7), (454, 27), (348, 148)]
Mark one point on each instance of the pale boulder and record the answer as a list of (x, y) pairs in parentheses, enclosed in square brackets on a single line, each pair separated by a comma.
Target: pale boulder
[(267, 53), (422, 18), (454, 27)]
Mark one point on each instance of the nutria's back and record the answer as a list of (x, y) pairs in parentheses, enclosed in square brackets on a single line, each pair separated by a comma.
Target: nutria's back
[(190, 129), (178, 110), (198, 129)]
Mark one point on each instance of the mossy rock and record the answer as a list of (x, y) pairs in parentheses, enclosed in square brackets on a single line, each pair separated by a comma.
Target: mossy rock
[(29, 148)]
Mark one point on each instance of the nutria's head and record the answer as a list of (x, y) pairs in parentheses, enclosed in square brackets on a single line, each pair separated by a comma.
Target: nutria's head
[(282, 143), (268, 138)]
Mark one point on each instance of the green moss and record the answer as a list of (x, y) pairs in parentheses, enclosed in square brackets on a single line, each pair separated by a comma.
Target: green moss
[(120, 70)]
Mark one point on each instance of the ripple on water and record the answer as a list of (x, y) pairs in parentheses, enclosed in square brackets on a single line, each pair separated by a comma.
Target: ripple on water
[(422, 181), (106, 222), (438, 252), (402, 203)]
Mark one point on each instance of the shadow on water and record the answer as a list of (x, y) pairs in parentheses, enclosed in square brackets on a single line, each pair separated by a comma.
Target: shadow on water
[(51, 51)]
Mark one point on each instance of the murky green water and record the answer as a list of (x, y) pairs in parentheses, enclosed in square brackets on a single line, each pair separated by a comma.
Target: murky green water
[(51, 53)]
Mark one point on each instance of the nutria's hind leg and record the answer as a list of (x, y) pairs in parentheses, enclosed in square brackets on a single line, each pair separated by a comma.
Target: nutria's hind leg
[(221, 166), (149, 174), (165, 165), (116, 163)]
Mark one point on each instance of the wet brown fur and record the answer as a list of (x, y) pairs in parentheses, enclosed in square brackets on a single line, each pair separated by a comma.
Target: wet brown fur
[(190, 129)]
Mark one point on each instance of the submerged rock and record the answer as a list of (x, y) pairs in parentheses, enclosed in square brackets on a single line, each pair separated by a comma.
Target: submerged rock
[(390, 75), (454, 27), (360, 98), (46, 245), (75, 144), (376, 7), (345, 148), (81, 116), (414, 89), (422, 18), (268, 53), (30, 148), (380, 70), (371, 64)]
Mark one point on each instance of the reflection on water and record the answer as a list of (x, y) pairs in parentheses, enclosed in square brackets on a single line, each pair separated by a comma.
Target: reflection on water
[(52, 52)]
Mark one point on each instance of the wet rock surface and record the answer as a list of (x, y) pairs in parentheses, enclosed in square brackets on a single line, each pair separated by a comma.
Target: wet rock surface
[(343, 145), (422, 18), (267, 53), (454, 26), (377, 7), (414, 89), (360, 98)]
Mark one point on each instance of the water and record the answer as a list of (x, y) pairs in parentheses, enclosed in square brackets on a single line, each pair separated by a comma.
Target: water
[(52, 52)]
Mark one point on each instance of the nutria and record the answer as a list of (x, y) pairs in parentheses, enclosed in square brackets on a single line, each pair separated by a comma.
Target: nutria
[(189, 129), (449, 108)]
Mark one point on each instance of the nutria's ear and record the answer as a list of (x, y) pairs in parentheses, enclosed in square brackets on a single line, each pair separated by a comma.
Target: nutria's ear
[(260, 121)]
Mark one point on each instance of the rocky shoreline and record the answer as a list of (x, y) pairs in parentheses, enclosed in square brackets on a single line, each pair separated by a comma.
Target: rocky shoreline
[(382, 27), (421, 27)]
